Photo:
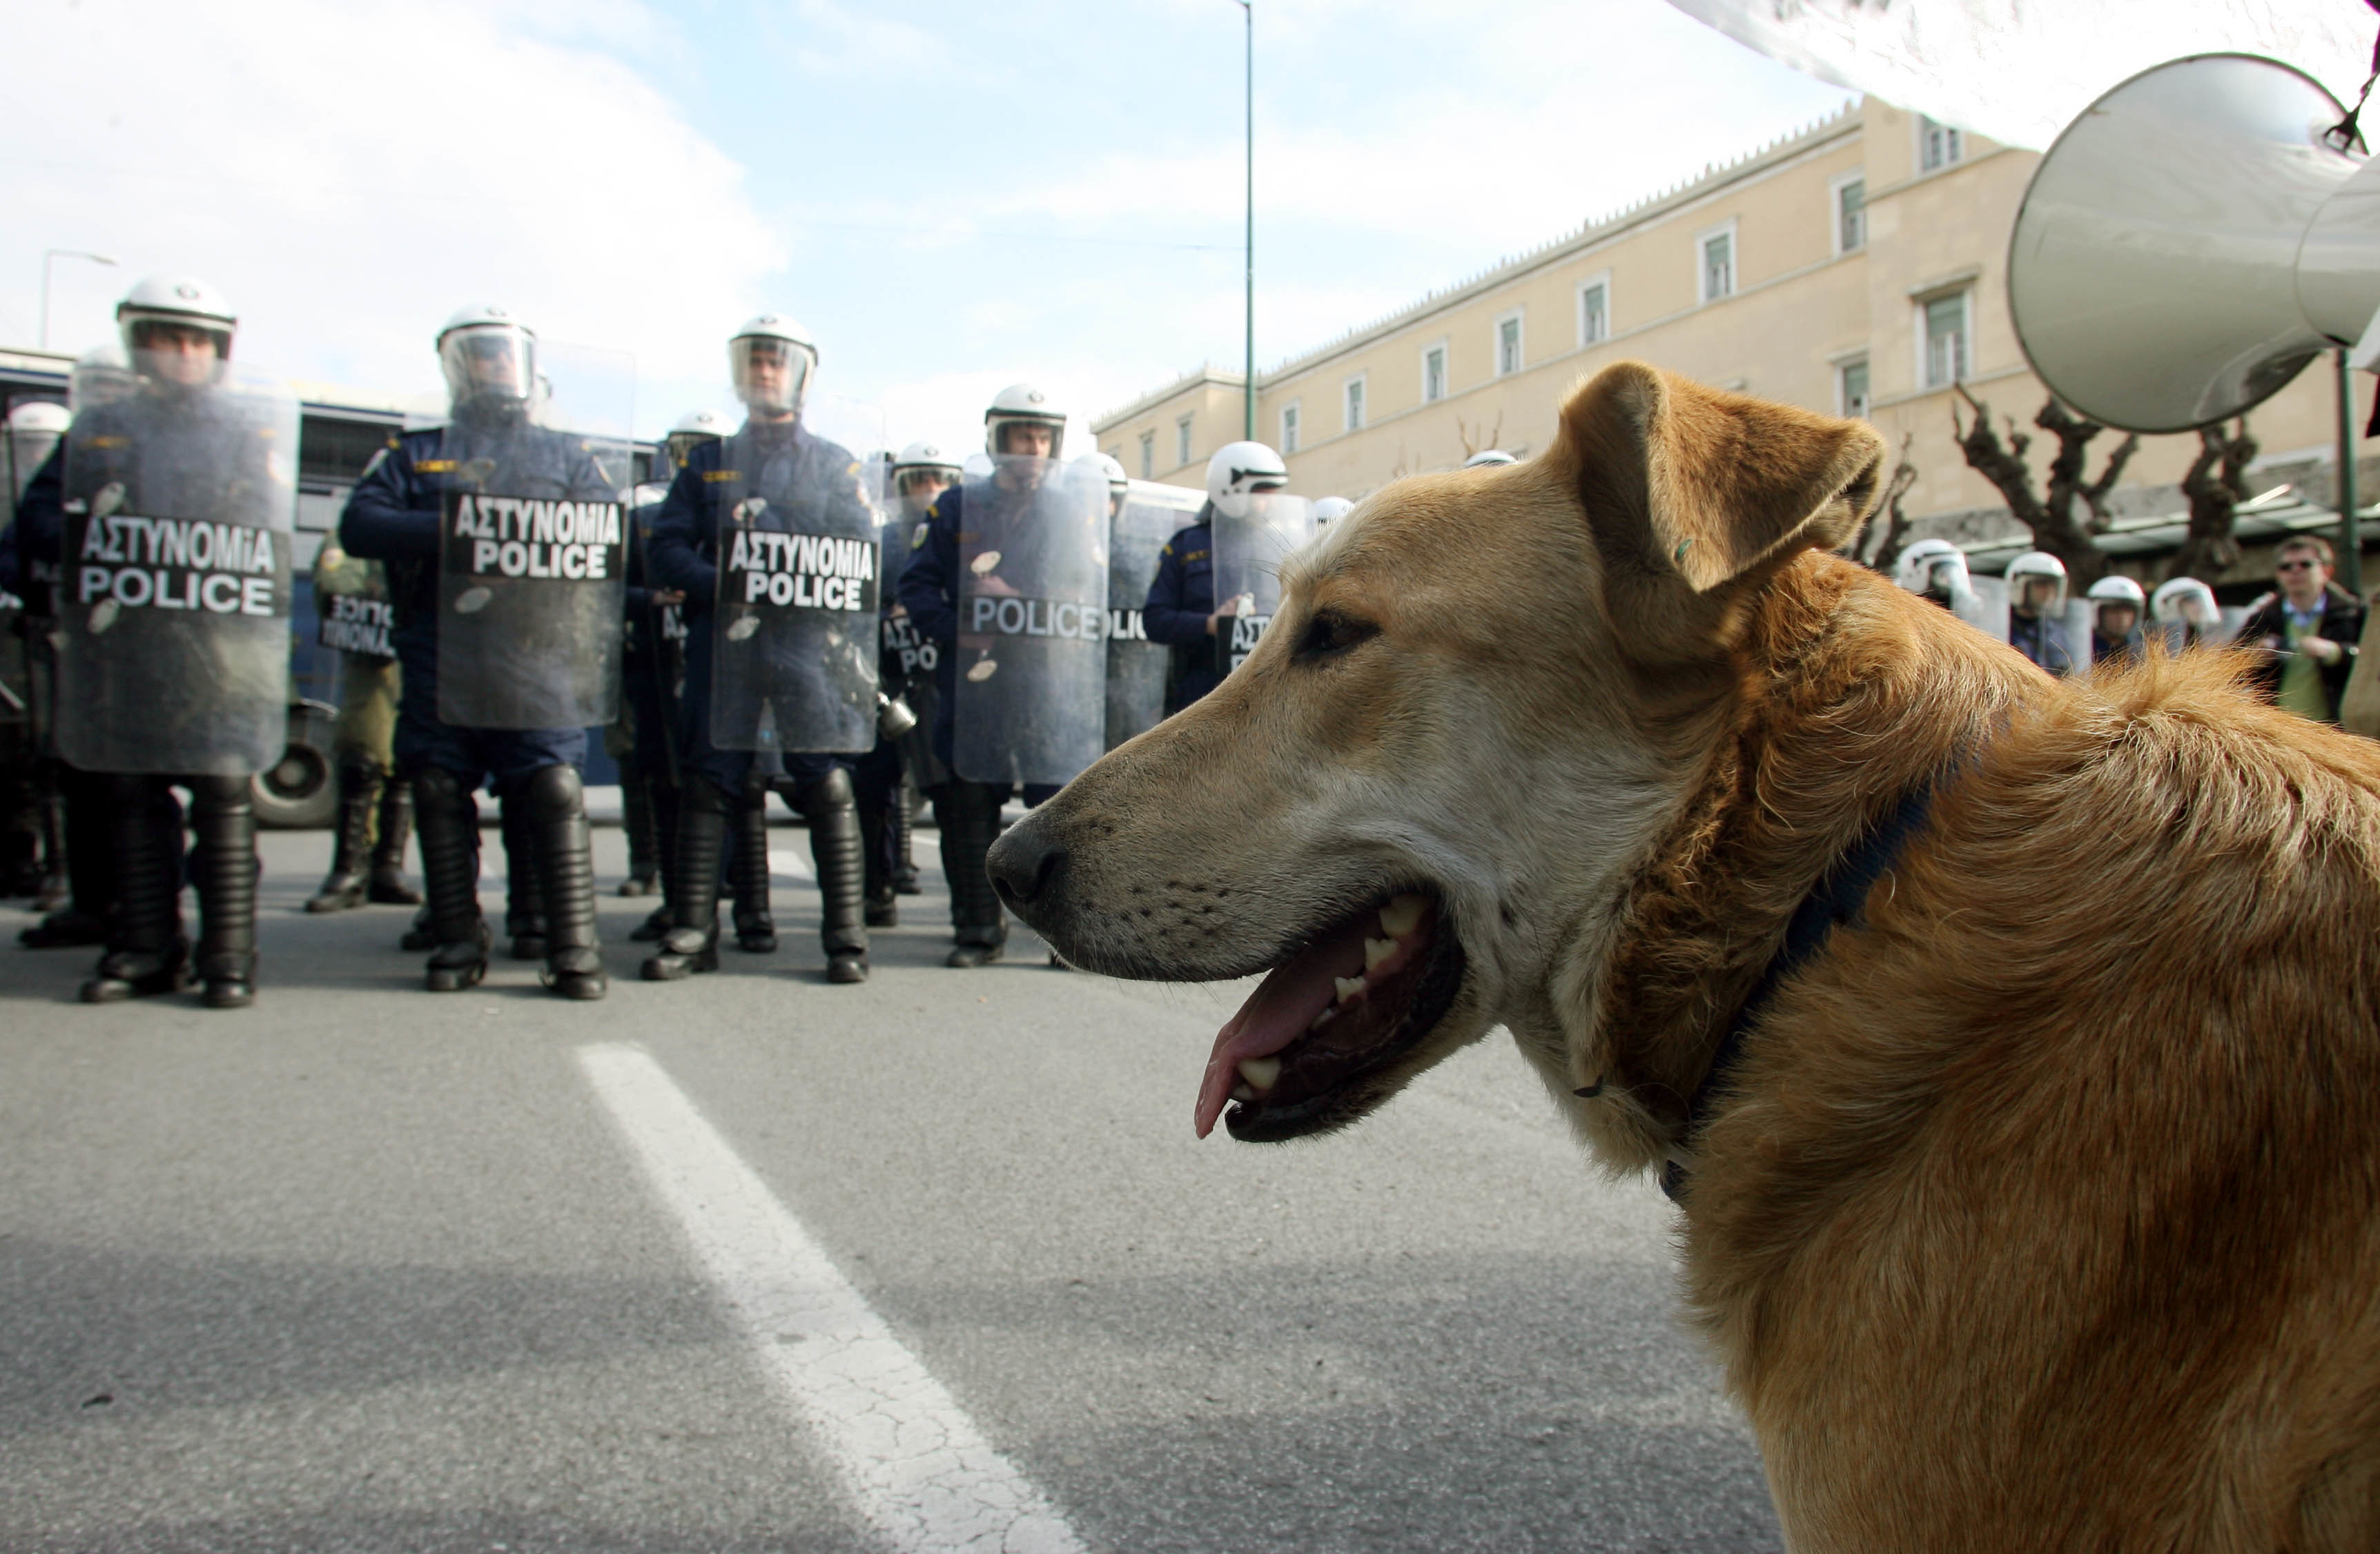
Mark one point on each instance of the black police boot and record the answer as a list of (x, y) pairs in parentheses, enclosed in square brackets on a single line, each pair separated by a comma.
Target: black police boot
[(449, 819), (388, 887), (146, 952), (905, 868), (224, 867), (421, 933), (833, 813), (692, 943), (86, 828), (968, 815), (747, 870), (524, 901), (556, 800), (638, 820), (875, 866), (343, 888)]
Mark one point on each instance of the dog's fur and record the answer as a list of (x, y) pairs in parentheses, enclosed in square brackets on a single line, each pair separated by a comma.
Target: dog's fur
[(2041, 1211)]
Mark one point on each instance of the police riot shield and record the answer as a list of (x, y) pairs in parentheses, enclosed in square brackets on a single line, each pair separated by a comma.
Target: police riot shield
[(793, 644), (174, 587), (532, 548), (1031, 686), (1248, 553), (2080, 615), (1136, 666), (352, 608), (1986, 607)]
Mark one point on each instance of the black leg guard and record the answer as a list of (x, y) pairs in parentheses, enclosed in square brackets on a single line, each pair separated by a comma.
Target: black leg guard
[(692, 943), (905, 868), (524, 902), (747, 871), (833, 813), (343, 888), (876, 856), (90, 866), (146, 952), (638, 819), (54, 842), (969, 814), (665, 802), (555, 799), (449, 819), (224, 867), (388, 886)]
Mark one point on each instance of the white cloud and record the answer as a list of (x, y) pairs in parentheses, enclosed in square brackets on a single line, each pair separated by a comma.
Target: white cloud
[(350, 175)]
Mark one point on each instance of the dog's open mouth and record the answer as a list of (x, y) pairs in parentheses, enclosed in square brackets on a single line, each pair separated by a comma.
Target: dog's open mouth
[(1338, 1012)]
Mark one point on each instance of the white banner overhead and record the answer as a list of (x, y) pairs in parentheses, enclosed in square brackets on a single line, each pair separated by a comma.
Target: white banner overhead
[(2020, 70)]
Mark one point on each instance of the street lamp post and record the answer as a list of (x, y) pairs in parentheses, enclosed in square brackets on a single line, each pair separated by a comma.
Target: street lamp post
[(1249, 385), (47, 256)]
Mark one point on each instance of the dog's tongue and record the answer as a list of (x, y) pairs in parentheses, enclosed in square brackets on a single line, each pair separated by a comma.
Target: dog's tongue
[(1280, 1009)]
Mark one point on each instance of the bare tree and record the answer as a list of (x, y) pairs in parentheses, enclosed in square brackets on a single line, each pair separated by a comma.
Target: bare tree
[(1895, 533), (1475, 442), (2050, 514), (2216, 483)]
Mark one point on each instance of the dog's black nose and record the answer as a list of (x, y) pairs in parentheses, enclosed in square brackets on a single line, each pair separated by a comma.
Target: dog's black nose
[(1023, 864)]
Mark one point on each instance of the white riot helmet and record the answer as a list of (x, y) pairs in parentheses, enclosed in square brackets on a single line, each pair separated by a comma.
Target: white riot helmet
[(1329, 510), (1935, 568), (1238, 471), (694, 428), (1110, 469), (175, 302), (924, 458), (2189, 601), (774, 337), (1023, 405), (1486, 457), (490, 359), (2116, 588), (34, 429), (2037, 564)]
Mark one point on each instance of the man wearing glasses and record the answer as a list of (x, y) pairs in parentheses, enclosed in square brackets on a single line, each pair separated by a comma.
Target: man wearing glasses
[(2309, 631)]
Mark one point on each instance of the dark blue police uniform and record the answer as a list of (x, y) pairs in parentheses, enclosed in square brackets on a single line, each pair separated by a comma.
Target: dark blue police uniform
[(1181, 598), (2042, 641)]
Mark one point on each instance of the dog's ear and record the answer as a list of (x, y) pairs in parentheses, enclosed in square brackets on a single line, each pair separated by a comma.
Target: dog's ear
[(1686, 483)]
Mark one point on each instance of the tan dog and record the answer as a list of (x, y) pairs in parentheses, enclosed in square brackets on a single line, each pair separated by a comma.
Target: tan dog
[(2040, 1209)]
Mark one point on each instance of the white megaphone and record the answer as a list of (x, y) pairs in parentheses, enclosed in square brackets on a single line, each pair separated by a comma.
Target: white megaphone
[(2191, 241)]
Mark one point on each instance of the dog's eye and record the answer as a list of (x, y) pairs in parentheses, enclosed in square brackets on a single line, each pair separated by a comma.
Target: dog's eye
[(1330, 632)]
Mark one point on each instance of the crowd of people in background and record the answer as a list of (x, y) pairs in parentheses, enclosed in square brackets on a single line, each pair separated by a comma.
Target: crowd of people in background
[(769, 613)]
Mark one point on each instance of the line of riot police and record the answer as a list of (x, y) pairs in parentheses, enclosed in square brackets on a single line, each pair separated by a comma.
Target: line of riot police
[(774, 616)]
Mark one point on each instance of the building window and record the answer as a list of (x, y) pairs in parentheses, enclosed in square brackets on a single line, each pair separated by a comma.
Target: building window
[(1594, 312), (1851, 215), (1939, 145), (1149, 456), (1355, 404), (1182, 440), (1289, 429), (1948, 324), (1508, 344), (1717, 251), (1850, 383), (1433, 374)]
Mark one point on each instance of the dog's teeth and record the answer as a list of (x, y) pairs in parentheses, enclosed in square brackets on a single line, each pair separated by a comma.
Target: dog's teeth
[(1241, 1092), (1324, 1018), (1375, 951), (1260, 1072), (1401, 915), (1348, 987)]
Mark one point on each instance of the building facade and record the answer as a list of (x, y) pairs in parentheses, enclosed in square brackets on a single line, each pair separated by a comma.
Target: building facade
[(1857, 268)]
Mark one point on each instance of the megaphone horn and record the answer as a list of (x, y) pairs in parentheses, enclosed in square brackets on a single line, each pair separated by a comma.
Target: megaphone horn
[(2191, 241)]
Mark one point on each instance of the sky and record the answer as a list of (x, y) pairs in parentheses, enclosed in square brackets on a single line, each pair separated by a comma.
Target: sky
[(951, 197)]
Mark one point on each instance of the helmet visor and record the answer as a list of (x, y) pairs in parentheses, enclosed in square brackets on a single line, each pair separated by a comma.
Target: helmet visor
[(1022, 436), (770, 373), (178, 350), (489, 365)]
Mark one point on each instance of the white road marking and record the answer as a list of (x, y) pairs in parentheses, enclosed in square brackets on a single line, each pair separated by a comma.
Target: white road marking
[(922, 1473), (792, 864)]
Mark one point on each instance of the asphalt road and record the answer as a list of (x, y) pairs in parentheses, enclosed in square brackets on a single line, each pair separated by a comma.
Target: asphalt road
[(364, 1268)]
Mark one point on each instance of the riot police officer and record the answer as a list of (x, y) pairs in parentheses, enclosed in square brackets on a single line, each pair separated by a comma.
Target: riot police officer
[(32, 842), (1487, 458), (1182, 611), (2036, 583), (170, 505), (505, 543), (904, 764), (776, 550), (375, 809), (1329, 510), (1022, 549), (2117, 605)]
